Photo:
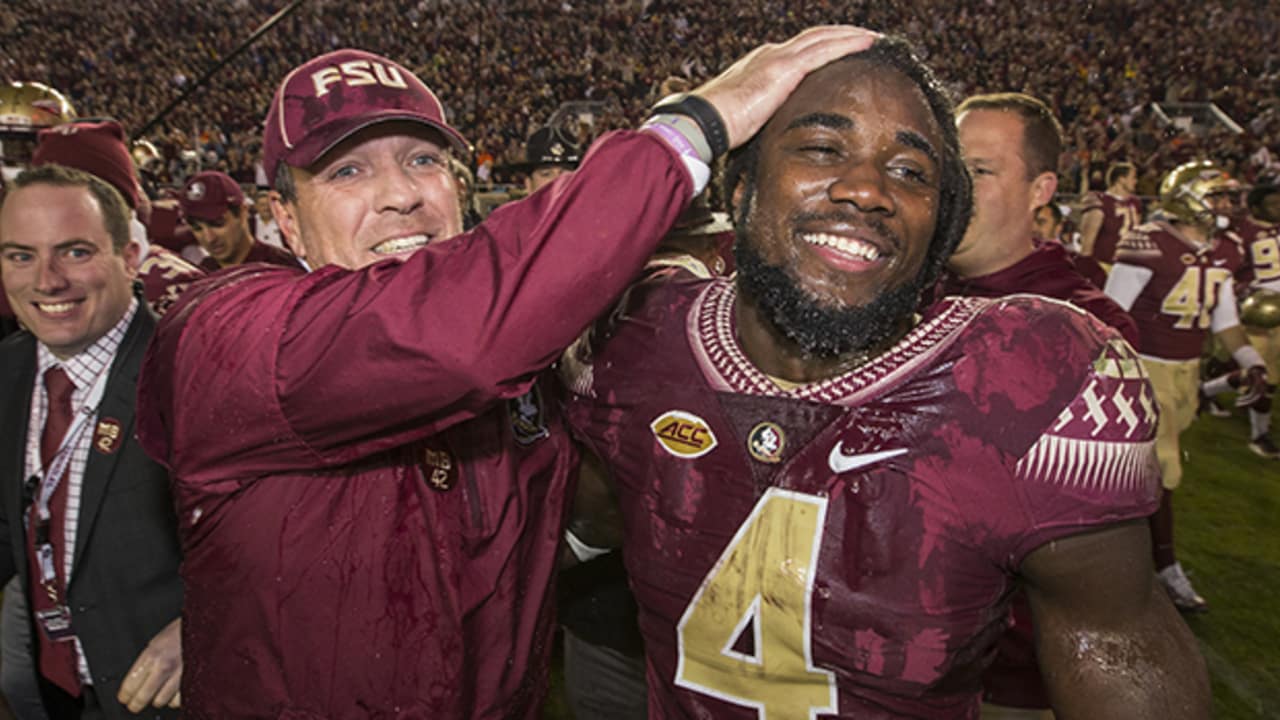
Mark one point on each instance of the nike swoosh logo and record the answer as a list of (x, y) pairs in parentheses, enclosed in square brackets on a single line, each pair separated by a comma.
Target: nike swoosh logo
[(1219, 263), (841, 463)]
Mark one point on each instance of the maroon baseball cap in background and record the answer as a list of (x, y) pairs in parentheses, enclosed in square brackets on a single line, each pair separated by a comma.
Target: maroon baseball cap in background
[(323, 101), (96, 147), (209, 194)]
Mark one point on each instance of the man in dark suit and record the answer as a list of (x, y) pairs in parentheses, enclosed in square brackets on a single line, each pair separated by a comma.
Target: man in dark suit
[(92, 532)]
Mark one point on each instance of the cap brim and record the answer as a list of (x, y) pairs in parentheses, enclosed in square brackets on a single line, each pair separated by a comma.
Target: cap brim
[(305, 153)]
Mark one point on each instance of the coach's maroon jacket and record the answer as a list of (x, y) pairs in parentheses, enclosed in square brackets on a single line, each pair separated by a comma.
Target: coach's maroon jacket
[(369, 530)]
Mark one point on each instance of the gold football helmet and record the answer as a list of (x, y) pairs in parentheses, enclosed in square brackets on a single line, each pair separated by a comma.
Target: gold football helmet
[(145, 154), (31, 106), (1261, 309), (26, 108), (1185, 191)]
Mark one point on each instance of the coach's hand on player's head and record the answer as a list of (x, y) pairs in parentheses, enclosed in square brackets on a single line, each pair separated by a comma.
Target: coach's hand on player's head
[(748, 93)]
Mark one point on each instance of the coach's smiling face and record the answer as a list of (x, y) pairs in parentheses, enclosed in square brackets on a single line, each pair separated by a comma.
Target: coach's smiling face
[(386, 191)]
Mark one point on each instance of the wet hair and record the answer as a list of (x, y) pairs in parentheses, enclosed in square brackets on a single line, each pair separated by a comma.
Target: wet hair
[(1042, 133), (1117, 170), (955, 197), (114, 210)]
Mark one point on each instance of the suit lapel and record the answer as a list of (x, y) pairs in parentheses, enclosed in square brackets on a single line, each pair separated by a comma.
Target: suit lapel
[(113, 427)]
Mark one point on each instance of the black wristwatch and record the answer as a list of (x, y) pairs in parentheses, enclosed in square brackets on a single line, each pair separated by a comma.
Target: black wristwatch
[(703, 113)]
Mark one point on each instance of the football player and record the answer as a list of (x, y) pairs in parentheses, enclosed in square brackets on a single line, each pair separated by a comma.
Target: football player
[(1174, 277), (827, 499), (1105, 216), (25, 109), (1258, 235)]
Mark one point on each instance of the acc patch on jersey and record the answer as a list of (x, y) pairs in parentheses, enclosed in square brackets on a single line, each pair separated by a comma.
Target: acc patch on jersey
[(683, 434), (528, 419)]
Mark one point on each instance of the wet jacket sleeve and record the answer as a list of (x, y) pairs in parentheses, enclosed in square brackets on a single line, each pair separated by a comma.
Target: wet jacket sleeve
[(273, 370)]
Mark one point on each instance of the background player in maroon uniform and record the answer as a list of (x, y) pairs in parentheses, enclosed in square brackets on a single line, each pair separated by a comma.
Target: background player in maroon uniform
[(1105, 216), (1258, 235), (826, 503), (214, 207), (1175, 278), (388, 521), (1011, 142)]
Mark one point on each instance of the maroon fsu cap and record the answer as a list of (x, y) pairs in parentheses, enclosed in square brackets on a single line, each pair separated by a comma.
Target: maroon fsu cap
[(96, 148), (209, 194), (330, 97)]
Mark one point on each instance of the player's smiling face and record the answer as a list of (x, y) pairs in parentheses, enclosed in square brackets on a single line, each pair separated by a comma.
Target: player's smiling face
[(847, 184), (386, 191)]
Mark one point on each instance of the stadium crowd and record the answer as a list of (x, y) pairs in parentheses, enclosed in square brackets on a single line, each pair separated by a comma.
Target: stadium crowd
[(503, 68)]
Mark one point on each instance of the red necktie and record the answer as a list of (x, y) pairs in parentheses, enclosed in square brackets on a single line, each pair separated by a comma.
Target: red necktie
[(57, 659), (58, 388)]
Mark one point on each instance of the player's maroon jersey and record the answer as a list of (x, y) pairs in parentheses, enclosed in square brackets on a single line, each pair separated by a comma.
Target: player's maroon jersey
[(165, 275), (1174, 309), (1014, 677), (847, 548), (1260, 244), (1119, 215)]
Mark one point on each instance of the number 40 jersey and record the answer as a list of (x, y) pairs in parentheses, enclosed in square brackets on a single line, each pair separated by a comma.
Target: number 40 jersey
[(847, 548)]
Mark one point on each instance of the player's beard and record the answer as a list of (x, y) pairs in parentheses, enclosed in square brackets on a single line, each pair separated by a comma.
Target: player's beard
[(817, 327)]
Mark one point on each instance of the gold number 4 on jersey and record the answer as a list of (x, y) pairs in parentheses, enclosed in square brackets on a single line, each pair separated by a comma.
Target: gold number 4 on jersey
[(763, 581)]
